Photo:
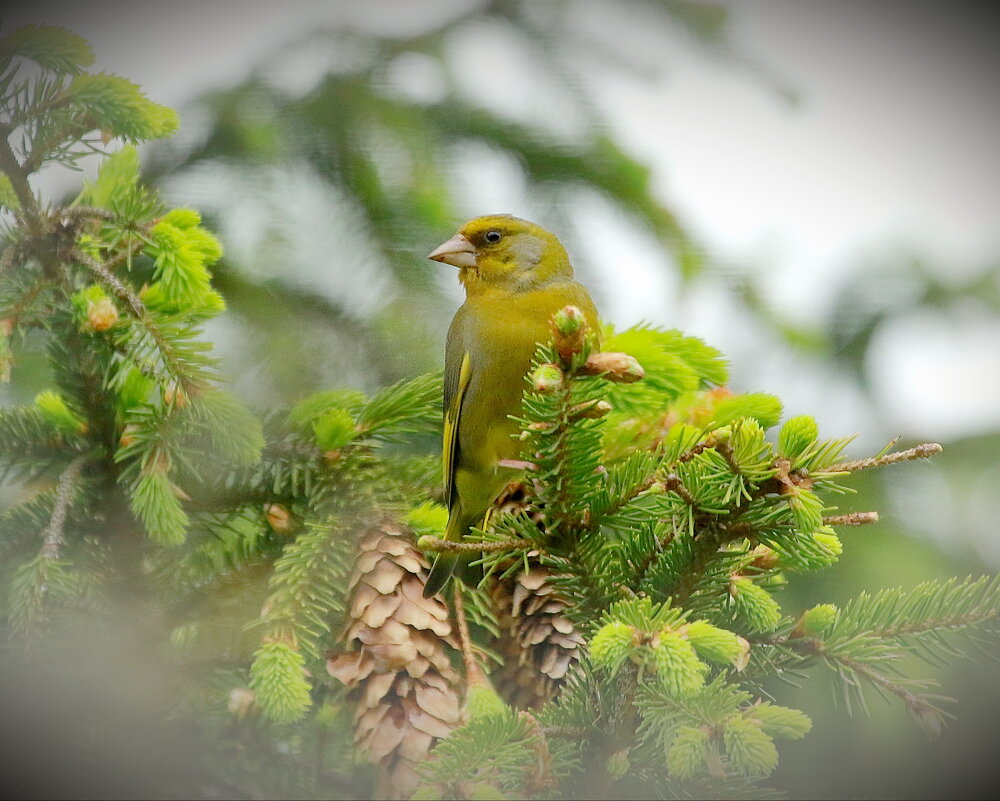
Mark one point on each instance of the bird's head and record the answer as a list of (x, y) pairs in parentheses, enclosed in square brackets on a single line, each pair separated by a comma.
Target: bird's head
[(504, 251)]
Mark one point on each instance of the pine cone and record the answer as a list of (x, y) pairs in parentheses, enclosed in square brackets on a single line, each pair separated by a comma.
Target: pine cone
[(397, 665), (538, 643)]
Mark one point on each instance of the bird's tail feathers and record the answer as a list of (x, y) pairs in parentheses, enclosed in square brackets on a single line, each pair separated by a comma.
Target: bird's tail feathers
[(442, 569), (448, 563)]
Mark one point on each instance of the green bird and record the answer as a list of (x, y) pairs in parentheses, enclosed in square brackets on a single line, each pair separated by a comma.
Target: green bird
[(516, 276)]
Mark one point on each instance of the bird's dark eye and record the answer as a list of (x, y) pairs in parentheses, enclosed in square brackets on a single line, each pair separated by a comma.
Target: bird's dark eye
[(492, 236)]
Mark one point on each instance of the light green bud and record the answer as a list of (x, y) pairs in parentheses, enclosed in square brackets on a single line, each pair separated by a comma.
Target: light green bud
[(686, 752), (796, 435), (816, 620), (612, 645), (678, 667)]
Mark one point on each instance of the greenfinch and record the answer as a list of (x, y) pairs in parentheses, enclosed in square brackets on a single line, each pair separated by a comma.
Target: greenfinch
[(516, 276)]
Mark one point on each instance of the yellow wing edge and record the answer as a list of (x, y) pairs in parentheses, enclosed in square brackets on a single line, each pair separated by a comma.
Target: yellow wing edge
[(450, 440)]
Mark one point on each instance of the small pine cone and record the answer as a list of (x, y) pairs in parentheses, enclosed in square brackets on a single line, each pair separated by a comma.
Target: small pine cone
[(538, 643), (396, 660), (515, 499)]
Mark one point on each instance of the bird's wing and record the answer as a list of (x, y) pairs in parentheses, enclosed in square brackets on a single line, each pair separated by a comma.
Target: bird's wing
[(456, 381)]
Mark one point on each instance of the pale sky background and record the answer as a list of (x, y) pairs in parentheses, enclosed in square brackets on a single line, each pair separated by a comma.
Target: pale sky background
[(891, 149)]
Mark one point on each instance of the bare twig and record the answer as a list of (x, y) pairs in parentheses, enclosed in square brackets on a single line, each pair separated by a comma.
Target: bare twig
[(52, 538), (569, 732), (725, 450), (472, 671), (852, 519), (86, 213), (541, 777), (672, 483), (919, 452), (429, 543)]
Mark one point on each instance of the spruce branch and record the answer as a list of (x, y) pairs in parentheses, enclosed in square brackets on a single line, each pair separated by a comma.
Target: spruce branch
[(112, 282), (306, 587), (26, 438), (928, 715), (14, 313), (660, 544), (697, 449), (18, 175), (930, 606)]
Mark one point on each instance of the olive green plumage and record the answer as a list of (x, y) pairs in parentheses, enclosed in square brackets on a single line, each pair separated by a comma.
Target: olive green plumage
[(516, 276)]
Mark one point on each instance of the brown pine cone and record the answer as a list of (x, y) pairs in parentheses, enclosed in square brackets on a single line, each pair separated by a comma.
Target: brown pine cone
[(537, 642), (396, 660)]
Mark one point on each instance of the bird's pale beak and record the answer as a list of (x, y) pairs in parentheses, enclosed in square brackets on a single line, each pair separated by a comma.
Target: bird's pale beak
[(457, 251)]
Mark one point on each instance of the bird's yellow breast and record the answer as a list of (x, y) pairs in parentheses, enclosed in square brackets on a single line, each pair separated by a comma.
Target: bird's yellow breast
[(501, 331)]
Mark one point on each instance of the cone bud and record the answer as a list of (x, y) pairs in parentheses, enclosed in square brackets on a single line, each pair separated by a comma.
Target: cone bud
[(546, 378), (278, 679), (484, 791), (619, 368), (427, 519), (830, 542), (174, 395), (619, 764), (781, 721), (182, 218), (568, 321), (589, 410), (749, 748), (128, 435), (764, 557), (720, 436), (334, 429), (241, 701), (931, 723), (278, 517), (570, 329), (102, 314)]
